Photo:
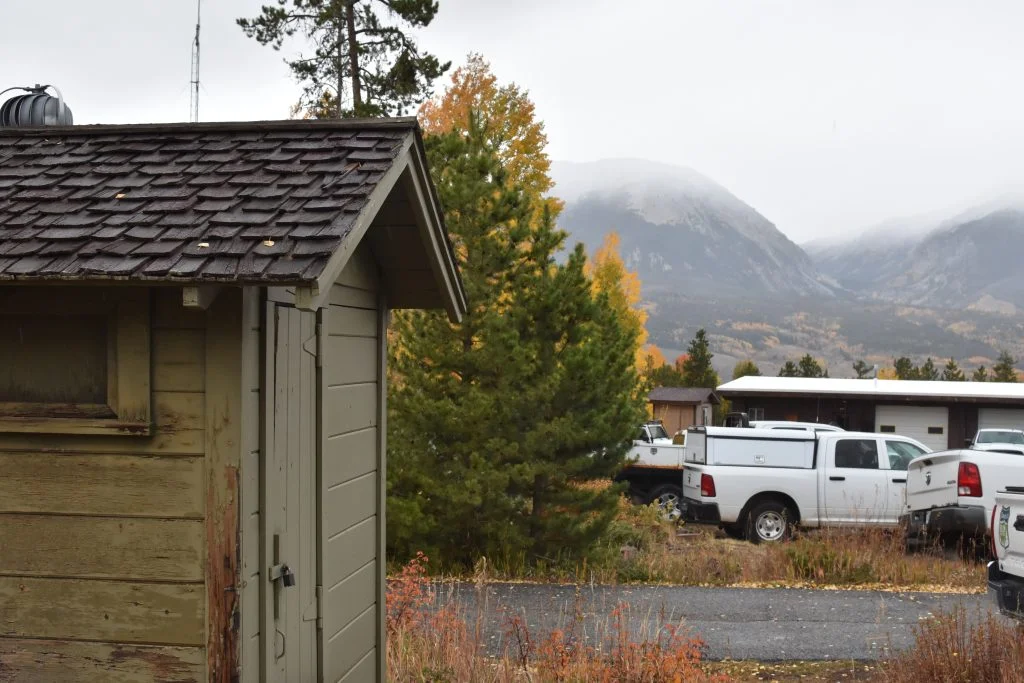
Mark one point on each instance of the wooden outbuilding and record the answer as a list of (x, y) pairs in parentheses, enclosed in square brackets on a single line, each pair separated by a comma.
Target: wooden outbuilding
[(679, 408), (192, 394)]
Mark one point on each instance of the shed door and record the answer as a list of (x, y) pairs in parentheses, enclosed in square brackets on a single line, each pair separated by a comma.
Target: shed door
[(290, 521), (927, 424), (1000, 418)]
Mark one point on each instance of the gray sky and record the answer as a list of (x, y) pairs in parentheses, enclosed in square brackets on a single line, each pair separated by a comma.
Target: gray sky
[(825, 115)]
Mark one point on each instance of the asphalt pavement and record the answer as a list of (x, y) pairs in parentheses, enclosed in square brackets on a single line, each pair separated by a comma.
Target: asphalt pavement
[(764, 624)]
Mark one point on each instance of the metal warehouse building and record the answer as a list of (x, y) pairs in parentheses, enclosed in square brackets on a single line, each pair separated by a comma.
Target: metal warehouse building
[(939, 414)]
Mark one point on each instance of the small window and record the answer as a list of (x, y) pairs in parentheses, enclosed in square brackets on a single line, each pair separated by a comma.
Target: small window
[(935, 430), (857, 454), (887, 429), (756, 413), (74, 361)]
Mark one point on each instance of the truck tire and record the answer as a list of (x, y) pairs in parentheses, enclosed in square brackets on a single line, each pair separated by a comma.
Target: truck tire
[(670, 500), (769, 522)]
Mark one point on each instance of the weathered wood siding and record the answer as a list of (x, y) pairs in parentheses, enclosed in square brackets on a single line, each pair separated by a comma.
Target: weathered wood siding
[(250, 489), (352, 486), (106, 547)]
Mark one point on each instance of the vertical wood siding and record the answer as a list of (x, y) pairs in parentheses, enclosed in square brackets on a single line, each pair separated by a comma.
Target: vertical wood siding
[(103, 537), (351, 479)]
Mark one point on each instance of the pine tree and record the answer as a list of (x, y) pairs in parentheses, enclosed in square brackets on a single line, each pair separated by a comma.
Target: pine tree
[(928, 371), (905, 369), (361, 65), (789, 370), (980, 375), (863, 370), (697, 370), (952, 372), (1004, 370), (746, 368), (495, 421), (809, 367)]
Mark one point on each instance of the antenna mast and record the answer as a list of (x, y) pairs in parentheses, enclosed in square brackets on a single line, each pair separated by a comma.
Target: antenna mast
[(194, 100)]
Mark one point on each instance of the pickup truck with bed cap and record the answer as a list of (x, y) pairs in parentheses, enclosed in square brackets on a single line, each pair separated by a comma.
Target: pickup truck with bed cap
[(759, 484)]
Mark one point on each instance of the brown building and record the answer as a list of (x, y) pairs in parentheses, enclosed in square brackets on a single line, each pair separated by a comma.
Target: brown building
[(940, 415), (680, 407)]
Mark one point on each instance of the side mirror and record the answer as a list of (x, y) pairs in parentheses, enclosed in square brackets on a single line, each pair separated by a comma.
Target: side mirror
[(968, 442)]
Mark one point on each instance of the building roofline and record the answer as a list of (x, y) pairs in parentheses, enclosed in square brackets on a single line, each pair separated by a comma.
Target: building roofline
[(397, 123), (881, 390)]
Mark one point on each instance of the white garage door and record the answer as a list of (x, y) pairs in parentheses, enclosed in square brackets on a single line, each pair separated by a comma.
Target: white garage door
[(1000, 418), (929, 425)]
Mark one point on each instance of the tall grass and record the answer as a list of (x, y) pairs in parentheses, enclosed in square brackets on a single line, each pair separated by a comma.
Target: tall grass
[(427, 641), (956, 649)]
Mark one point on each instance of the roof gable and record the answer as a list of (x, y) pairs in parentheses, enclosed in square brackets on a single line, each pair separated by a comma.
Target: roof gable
[(256, 203)]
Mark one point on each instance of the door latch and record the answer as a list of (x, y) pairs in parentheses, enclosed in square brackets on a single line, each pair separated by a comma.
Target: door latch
[(284, 574)]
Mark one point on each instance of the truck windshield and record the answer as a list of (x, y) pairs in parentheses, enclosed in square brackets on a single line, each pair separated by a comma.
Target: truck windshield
[(999, 436), (658, 432)]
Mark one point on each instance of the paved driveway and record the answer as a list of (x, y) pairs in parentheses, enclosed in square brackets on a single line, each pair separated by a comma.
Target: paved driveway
[(738, 623)]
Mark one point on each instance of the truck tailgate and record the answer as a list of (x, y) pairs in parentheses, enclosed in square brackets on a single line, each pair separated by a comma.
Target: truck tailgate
[(691, 481), (1009, 532), (931, 481)]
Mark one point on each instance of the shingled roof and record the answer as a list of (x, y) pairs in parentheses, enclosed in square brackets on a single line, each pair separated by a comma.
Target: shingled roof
[(267, 202), (683, 395)]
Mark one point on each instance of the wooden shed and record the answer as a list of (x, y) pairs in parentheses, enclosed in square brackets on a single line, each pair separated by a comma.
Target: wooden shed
[(679, 408), (192, 394)]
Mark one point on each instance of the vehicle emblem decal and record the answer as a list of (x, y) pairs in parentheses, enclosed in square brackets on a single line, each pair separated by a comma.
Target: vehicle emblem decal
[(1004, 526), (927, 478)]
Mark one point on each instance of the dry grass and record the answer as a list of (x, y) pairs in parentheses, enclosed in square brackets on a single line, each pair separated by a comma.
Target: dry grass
[(951, 647), (437, 643), (641, 548)]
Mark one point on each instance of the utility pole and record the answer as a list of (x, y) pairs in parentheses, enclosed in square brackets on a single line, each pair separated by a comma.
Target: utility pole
[(194, 100)]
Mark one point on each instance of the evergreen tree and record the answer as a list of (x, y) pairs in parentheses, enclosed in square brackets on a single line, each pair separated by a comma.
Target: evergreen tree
[(746, 368), (1004, 370), (928, 371), (666, 376), (809, 367), (697, 370), (905, 369), (952, 372), (789, 370), (980, 375), (495, 421), (361, 65), (863, 370)]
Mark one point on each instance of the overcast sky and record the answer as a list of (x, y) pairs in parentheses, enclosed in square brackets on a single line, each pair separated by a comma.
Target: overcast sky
[(825, 115)]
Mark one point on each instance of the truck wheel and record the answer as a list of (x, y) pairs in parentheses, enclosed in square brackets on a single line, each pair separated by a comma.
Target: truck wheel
[(670, 501), (768, 522)]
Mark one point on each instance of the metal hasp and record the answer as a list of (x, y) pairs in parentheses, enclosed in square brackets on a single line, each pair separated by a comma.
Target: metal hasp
[(35, 108)]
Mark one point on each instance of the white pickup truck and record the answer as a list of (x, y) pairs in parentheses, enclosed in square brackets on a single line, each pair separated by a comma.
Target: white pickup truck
[(1001, 440), (759, 484), (951, 493), (654, 470), (1006, 571)]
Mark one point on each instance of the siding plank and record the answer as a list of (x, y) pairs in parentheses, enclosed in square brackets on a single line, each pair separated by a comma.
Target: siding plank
[(179, 411), (169, 614), (349, 456), (349, 408), (348, 504), (360, 271), (351, 322), (178, 360), (363, 672), (164, 442), (68, 661), (356, 298), (353, 360), (350, 598), (101, 547), (167, 311), (349, 551), (347, 648), (123, 485)]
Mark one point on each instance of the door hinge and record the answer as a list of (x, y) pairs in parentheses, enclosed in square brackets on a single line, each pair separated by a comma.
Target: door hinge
[(316, 610)]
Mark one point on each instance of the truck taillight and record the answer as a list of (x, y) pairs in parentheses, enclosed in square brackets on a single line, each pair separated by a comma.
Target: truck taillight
[(968, 480), (707, 486)]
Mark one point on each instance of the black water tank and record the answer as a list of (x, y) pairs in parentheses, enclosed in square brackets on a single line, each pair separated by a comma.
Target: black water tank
[(35, 108)]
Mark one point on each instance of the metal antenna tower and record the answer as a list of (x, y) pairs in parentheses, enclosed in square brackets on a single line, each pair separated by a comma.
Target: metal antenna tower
[(194, 100)]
